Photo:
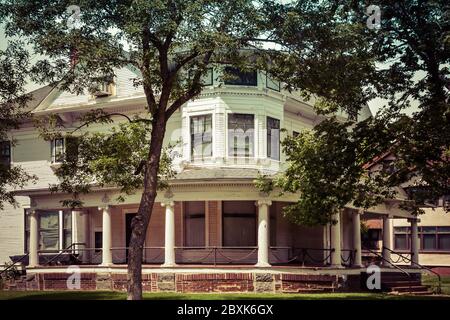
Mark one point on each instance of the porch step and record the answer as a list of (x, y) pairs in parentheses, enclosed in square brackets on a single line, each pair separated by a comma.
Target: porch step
[(409, 289)]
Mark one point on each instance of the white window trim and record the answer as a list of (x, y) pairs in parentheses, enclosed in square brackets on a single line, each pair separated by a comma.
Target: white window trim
[(255, 134), (213, 133)]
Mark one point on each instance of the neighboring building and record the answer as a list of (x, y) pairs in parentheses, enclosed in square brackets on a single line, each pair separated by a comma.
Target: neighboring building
[(433, 234), (212, 223)]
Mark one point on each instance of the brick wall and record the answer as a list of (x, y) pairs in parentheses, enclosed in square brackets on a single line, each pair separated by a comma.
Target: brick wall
[(195, 282)]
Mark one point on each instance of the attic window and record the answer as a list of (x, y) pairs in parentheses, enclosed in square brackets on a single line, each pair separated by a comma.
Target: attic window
[(106, 89)]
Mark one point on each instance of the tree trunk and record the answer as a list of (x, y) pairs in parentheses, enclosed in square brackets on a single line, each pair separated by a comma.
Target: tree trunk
[(140, 222)]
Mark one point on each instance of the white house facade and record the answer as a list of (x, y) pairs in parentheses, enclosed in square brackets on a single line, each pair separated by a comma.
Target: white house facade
[(212, 230)]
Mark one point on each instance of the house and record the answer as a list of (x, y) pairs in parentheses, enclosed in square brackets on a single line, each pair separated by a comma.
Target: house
[(432, 236), (212, 230)]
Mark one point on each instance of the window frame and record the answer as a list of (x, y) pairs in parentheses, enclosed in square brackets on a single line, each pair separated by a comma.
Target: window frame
[(187, 216), (253, 216), (269, 136), (53, 149), (228, 142), (6, 144), (233, 82), (437, 248), (209, 114)]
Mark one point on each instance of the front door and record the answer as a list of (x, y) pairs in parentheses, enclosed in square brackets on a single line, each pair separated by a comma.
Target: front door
[(128, 218)]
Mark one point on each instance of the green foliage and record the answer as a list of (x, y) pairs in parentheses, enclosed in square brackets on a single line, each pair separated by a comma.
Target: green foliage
[(14, 66), (116, 158)]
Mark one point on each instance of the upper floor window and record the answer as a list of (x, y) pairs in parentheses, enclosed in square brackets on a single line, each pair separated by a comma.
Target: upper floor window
[(61, 148), (5, 153), (58, 150), (273, 138), (241, 77), (241, 137), (201, 136)]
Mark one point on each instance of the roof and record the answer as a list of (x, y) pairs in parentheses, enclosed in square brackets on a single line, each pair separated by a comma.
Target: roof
[(37, 96)]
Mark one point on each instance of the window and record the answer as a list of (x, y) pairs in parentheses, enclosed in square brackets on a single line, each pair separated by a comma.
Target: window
[(430, 238), (241, 129), (27, 231), (98, 241), (402, 238), (201, 136), (239, 77), (239, 223), (58, 150), (67, 229), (64, 149), (443, 238), (5, 153), (273, 138), (273, 84), (49, 230), (273, 225), (295, 134), (194, 224)]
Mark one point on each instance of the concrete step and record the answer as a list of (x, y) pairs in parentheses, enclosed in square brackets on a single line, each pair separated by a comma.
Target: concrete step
[(402, 283), (409, 289)]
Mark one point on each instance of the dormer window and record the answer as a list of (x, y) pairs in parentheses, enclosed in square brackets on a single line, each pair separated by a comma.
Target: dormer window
[(106, 89), (5, 153), (240, 77)]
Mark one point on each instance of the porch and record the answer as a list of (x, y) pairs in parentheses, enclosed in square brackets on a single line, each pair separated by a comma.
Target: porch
[(212, 233)]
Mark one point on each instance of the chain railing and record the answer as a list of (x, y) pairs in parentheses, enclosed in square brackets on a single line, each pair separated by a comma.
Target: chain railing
[(348, 260), (405, 259)]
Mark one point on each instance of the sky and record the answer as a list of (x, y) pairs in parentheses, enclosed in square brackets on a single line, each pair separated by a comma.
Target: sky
[(374, 105)]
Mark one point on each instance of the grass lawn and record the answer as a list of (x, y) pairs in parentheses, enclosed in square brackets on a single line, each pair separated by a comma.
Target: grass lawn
[(431, 280), (111, 295)]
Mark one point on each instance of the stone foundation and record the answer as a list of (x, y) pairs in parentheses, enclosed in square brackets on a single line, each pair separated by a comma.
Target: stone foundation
[(250, 282)]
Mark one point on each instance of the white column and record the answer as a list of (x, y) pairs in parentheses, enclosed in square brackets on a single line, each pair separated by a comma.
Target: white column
[(76, 237), (414, 242), (336, 241), (85, 254), (169, 244), (34, 239), (106, 236), (387, 241), (357, 237), (263, 232)]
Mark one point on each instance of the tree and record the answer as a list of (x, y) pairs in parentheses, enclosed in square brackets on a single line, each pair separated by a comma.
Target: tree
[(327, 165), (172, 43), (13, 99)]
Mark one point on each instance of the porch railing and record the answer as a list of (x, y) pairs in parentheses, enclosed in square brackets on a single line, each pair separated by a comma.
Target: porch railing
[(207, 255)]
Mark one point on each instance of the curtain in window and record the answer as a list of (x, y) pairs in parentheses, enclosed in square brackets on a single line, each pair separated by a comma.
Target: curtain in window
[(239, 223), (201, 136), (194, 227), (241, 128), (49, 230)]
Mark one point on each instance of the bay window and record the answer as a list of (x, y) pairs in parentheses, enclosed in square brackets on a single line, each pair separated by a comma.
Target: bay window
[(236, 76), (241, 135), (201, 136), (273, 138)]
